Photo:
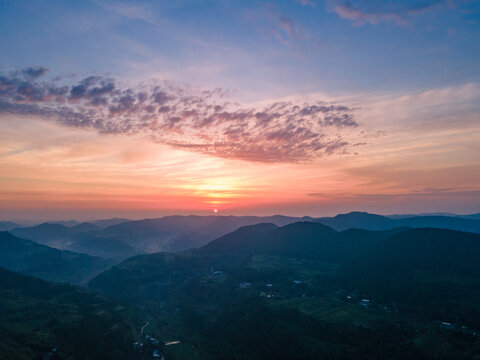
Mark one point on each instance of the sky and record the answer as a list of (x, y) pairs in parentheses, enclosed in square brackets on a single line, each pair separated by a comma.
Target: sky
[(295, 107)]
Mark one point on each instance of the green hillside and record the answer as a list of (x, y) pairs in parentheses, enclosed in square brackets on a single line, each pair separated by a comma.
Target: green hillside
[(292, 293), (37, 317)]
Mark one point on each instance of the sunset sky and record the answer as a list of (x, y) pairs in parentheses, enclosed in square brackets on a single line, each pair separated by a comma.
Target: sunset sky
[(298, 107)]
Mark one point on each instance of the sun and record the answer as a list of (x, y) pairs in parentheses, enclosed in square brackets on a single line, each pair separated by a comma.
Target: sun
[(215, 211)]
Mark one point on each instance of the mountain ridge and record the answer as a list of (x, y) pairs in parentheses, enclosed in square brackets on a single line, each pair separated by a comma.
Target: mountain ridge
[(30, 258)]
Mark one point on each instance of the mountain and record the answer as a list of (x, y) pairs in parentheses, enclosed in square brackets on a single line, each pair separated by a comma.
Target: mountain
[(179, 233), (175, 233), (109, 222), (104, 247), (360, 220), (471, 216), (401, 216), (30, 258), (42, 320), (307, 291), (54, 235), (127, 238), (468, 216), (85, 227), (8, 225), (67, 223), (80, 238), (441, 222), (363, 220), (300, 239), (243, 240)]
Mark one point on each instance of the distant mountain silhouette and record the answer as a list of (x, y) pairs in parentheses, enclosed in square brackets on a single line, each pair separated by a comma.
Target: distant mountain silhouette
[(401, 216), (85, 227), (105, 247), (363, 220), (174, 233), (67, 223), (103, 223), (54, 235), (360, 220), (441, 222), (8, 225), (30, 258), (468, 216), (179, 233), (471, 216)]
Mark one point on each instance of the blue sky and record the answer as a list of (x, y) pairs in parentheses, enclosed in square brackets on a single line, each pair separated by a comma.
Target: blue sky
[(252, 46)]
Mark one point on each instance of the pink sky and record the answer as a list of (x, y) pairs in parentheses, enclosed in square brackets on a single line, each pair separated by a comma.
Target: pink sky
[(405, 162)]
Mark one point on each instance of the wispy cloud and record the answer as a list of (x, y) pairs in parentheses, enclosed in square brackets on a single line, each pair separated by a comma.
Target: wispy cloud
[(130, 11), (426, 194), (275, 25), (360, 17), (287, 32), (399, 13), (184, 117), (306, 2)]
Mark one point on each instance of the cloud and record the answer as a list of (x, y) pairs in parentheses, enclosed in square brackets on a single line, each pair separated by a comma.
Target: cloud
[(183, 117), (287, 25), (375, 12), (422, 113), (131, 11), (286, 31), (275, 25), (359, 17), (427, 194), (305, 2), (35, 71)]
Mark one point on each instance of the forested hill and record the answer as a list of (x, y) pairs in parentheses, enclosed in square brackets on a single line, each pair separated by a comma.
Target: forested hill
[(432, 272), (42, 320), (301, 239)]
